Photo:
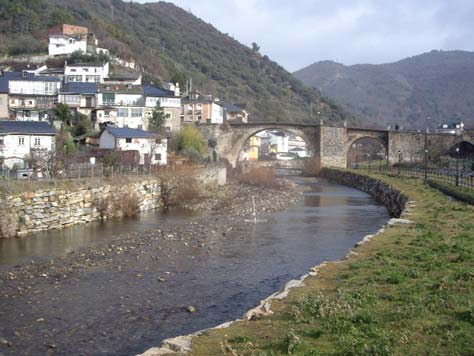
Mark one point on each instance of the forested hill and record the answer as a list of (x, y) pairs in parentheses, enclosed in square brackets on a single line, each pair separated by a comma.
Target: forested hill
[(438, 84), (170, 44)]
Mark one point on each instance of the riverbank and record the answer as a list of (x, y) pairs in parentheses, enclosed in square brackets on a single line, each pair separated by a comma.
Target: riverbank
[(35, 297), (409, 291)]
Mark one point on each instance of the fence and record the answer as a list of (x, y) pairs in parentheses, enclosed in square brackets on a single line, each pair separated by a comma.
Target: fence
[(453, 176), (87, 170)]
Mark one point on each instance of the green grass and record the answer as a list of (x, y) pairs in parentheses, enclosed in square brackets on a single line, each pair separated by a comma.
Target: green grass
[(460, 193), (410, 291)]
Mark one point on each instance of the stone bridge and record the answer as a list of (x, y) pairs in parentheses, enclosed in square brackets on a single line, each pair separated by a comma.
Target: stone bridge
[(331, 144)]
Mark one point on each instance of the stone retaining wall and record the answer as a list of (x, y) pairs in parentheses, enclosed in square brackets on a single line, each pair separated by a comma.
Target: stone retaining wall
[(383, 192), (59, 208)]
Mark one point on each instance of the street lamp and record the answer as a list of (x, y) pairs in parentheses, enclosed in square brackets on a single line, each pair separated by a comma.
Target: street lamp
[(457, 166), (426, 163), (399, 160), (368, 157)]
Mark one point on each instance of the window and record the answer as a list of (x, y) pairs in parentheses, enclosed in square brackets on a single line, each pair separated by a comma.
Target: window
[(137, 113), (30, 102), (21, 141), (37, 141), (157, 156), (73, 70), (106, 113), (122, 112), (85, 70), (140, 127), (128, 140), (2, 141), (109, 98)]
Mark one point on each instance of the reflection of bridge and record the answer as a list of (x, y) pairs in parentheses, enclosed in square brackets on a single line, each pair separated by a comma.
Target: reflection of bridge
[(331, 144)]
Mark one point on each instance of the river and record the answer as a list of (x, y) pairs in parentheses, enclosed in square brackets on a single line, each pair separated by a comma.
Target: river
[(133, 302)]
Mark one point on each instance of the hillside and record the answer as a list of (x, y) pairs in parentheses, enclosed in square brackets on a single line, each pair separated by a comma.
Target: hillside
[(170, 44), (438, 84)]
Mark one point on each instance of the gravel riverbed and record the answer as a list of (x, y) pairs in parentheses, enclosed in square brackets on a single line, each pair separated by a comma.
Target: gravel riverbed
[(42, 303)]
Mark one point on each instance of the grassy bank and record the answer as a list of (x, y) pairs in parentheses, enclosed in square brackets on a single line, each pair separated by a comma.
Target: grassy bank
[(409, 291)]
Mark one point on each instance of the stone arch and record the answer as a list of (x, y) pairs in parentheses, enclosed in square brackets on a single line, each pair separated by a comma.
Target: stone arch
[(466, 149), (354, 140), (238, 135)]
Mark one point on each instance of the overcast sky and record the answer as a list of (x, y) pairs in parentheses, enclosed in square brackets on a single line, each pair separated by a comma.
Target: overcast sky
[(296, 33)]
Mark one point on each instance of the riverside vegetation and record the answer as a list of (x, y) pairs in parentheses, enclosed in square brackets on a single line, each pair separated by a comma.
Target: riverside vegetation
[(410, 291)]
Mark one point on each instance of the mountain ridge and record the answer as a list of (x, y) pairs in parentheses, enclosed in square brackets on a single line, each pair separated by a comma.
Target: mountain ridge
[(436, 84)]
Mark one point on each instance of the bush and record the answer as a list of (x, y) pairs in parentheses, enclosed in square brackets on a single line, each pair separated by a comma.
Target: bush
[(190, 139), (260, 177), (312, 167), (124, 204)]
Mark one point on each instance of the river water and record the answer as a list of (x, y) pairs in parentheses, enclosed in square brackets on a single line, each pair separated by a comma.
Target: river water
[(108, 311)]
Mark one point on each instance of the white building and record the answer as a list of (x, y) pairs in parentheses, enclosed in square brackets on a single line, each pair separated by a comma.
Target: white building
[(19, 139), (145, 143), (86, 72), (62, 45), (124, 106), (31, 97)]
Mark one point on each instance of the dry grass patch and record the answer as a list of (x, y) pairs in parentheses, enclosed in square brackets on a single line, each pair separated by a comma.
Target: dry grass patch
[(261, 177)]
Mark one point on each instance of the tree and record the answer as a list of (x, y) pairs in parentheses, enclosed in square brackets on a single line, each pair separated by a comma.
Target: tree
[(63, 113), (255, 47), (157, 120), (191, 142)]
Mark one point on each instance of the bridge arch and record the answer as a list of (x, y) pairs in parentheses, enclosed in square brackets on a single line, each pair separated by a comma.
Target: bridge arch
[(374, 146), (232, 138)]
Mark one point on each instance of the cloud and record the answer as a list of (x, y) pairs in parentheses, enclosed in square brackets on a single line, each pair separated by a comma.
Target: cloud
[(301, 32)]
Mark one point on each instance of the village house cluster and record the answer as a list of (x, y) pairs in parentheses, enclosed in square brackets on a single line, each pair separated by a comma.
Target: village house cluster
[(115, 100)]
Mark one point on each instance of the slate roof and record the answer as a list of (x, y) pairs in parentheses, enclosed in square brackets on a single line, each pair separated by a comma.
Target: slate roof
[(26, 127), (125, 75), (126, 132), (5, 78), (80, 88), (232, 107), (150, 90)]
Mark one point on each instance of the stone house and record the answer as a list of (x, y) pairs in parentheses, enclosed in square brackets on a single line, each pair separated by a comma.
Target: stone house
[(151, 149), (169, 100), (31, 97), (197, 108), (19, 139)]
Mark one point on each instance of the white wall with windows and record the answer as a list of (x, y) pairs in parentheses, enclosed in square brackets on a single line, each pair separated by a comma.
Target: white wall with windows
[(85, 73), (165, 102), (34, 87), (148, 148), (15, 148), (60, 45)]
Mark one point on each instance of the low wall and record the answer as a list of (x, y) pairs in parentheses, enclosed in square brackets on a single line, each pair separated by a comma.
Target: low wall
[(383, 192), (59, 208)]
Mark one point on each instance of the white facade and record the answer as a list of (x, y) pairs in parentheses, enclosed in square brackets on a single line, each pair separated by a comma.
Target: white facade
[(147, 147), (60, 45), (217, 116), (280, 142), (86, 73), (165, 102), (14, 148), (34, 87)]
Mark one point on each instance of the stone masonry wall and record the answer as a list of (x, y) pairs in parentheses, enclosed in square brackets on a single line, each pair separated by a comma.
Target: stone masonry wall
[(383, 192), (59, 208)]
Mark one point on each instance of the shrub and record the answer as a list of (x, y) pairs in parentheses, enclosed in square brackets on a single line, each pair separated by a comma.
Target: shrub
[(190, 139), (312, 167), (102, 205), (260, 177), (125, 204)]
